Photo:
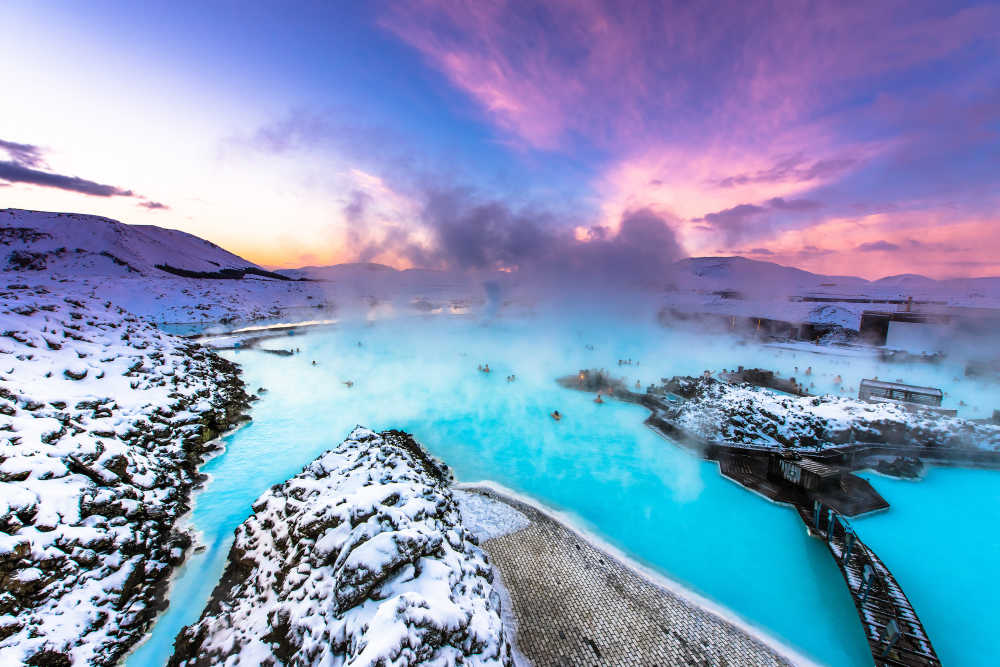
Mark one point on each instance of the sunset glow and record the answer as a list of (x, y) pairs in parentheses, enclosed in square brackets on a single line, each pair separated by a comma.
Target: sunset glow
[(838, 137)]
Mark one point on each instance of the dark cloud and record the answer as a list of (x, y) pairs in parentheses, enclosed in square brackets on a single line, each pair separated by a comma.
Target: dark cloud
[(733, 216), (17, 173), (744, 220), (485, 235), (760, 251), (781, 204), (23, 168), (813, 251), (932, 246), (736, 223), (154, 205), (878, 246), (23, 154), (794, 168), (471, 234)]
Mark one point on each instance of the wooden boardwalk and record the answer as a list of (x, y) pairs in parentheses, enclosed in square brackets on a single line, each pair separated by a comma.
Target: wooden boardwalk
[(877, 595)]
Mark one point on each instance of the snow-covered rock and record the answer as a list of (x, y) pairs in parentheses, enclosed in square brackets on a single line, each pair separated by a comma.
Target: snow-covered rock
[(103, 421), (361, 559), (747, 415)]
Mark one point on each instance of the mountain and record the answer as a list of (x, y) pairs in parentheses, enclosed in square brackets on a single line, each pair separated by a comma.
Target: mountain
[(754, 276), (74, 244), (339, 271), (911, 280)]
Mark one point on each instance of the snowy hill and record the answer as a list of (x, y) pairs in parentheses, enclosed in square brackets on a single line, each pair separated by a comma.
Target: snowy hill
[(170, 276), (163, 275), (906, 280), (73, 244), (753, 275), (339, 271)]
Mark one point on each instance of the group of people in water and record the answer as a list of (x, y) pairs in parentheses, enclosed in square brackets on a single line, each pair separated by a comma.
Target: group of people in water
[(557, 416), (347, 383), (485, 368)]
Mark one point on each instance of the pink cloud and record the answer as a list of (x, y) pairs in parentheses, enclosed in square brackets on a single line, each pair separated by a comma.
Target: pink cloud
[(935, 243), (623, 75)]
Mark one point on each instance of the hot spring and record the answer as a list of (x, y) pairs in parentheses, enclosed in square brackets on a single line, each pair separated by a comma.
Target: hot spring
[(604, 469)]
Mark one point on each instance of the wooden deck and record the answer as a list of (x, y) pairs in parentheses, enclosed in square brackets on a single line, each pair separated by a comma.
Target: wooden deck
[(750, 472), (878, 603)]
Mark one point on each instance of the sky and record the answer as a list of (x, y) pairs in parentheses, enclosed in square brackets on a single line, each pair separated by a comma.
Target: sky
[(857, 138)]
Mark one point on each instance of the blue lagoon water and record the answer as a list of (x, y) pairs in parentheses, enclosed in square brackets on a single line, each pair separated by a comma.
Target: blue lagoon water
[(613, 476)]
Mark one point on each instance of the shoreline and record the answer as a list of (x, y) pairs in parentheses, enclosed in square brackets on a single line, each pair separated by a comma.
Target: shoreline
[(661, 581), (184, 525)]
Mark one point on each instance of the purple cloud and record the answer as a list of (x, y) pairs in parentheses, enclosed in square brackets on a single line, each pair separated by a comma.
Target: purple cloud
[(878, 246), (738, 222), (813, 251), (154, 205), (734, 216), (22, 168), (791, 169), (18, 173), (782, 204), (23, 154), (468, 233)]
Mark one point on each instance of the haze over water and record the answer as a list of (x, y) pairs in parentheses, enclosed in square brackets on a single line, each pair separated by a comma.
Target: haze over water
[(599, 464)]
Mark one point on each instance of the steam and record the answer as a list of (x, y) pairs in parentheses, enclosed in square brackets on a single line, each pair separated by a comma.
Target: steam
[(469, 234)]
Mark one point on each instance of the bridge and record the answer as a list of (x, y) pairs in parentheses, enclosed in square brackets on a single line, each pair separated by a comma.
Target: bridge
[(895, 634)]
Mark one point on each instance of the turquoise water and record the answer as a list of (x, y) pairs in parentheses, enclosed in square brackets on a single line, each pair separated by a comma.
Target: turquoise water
[(599, 464), (940, 541)]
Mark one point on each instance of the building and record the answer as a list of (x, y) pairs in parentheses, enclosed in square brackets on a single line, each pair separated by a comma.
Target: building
[(877, 391), (806, 473)]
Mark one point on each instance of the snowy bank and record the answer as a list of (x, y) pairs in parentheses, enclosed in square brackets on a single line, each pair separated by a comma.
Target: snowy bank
[(361, 559), (103, 421), (747, 415)]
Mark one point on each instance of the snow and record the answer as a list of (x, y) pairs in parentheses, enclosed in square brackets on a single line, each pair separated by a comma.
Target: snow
[(76, 244), (110, 260), (487, 518), (361, 559), (748, 415), (99, 438)]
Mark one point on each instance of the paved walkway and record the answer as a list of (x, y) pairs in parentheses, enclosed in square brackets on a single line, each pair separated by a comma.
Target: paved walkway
[(576, 605)]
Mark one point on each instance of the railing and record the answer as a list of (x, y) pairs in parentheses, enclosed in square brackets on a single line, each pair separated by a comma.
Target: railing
[(895, 634)]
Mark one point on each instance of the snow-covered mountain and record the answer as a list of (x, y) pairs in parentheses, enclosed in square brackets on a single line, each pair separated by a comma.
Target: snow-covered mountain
[(766, 279), (749, 274), (170, 276), (74, 244)]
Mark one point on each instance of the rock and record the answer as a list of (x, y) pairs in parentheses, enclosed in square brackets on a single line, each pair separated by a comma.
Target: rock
[(902, 467), (88, 538), (407, 583)]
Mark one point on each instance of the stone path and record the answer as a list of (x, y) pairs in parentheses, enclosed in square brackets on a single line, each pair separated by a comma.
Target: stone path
[(575, 605)]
